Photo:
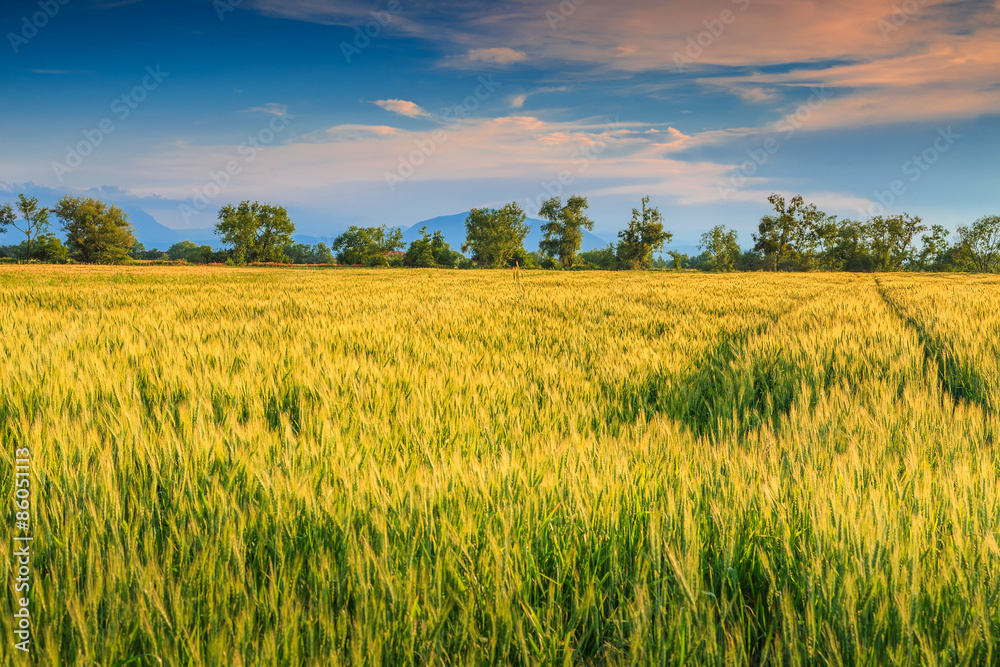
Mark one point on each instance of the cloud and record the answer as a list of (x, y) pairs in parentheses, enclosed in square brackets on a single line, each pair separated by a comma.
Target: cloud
[(402, 107), (936, 83), (348, 133), (882, 63), (499, 56), (517, 101), (271, 108), (515, 154), (755, 94)]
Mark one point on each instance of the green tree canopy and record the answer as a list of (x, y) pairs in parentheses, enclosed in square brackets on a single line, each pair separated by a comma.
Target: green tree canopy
[(722, 248), (934, 248), (303, 253), (495, 236), (890, 240), (980, 243), (189, 251), (790, 232), (643, 237), (602, 258), (678, 259), (431, 250), (95, 231), (6, 217), (182, 250), (367, 246), (255, 232), (563, 229), (48, 248)]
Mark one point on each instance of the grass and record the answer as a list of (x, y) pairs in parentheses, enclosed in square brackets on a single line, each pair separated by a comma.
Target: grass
[(428, 467)]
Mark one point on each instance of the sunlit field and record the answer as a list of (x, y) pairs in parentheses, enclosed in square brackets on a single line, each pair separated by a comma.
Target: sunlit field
[(261, 467)]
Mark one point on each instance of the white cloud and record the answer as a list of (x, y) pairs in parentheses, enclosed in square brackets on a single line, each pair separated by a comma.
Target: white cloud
[(517, 101)]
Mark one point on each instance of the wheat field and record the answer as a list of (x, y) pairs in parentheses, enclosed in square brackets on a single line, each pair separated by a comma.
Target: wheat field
[(277, 467)]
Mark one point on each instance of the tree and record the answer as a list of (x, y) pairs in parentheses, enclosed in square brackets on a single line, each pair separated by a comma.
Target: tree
[(35, 220), (891, 240), (256, 232), (183, 250), (643, 237), (935, 248), (678, 259), (603, 258), (188, 251), (826, 240), (429, 251), (980, 243), (722, 248), (95, 231), (850, 251), (496, 236), (6, 217), (420, 254), (367, 246), (321, 254), (751, 260), (302, 253), (563, 229), (790, 232), (48, 248)]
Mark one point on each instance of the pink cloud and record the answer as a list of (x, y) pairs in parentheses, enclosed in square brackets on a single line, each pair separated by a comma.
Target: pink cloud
[(402, 107)]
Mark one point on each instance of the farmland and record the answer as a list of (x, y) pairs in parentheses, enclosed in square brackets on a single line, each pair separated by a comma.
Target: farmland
[(239, 466)]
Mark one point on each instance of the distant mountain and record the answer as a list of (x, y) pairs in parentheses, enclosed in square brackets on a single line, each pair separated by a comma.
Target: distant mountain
[(151, 233), (453, 229)]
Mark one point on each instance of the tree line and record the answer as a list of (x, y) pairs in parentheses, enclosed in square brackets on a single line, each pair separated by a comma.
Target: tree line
[(494, 238), (797, 236)]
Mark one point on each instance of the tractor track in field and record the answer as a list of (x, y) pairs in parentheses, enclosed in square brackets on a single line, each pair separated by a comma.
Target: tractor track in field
[(693, 399), (960, 381)]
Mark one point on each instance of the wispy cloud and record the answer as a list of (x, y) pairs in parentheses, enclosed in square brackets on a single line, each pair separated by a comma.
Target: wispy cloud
[(271, 108), (403, 108), (755, 94), (517, 100), (933, 59), (499, 56)]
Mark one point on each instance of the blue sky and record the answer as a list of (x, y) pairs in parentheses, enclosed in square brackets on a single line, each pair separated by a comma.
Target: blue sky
[(708, 107)]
